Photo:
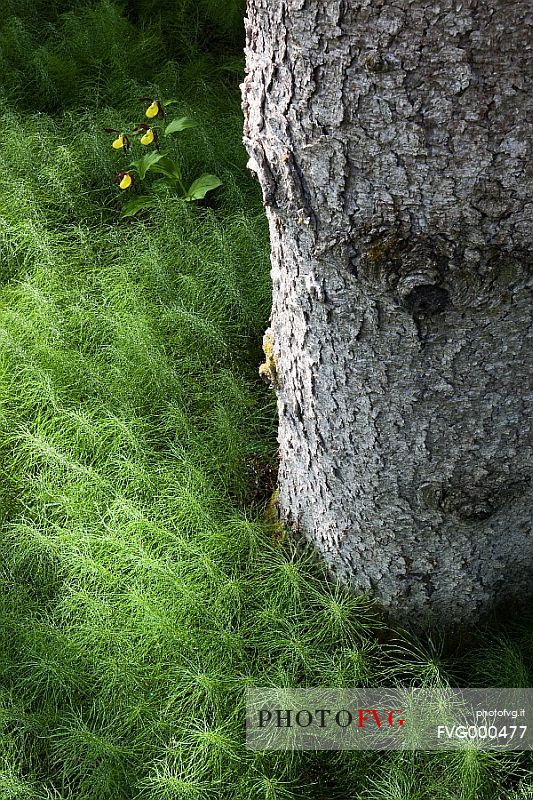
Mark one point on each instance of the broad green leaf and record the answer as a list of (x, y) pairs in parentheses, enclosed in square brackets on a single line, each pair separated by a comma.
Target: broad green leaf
[(171, 102), (137, 204), (201, 186), (146, 162), (166, 166), (180, 125)]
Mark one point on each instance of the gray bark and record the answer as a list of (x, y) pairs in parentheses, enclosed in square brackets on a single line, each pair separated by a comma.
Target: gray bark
[(392, 143)]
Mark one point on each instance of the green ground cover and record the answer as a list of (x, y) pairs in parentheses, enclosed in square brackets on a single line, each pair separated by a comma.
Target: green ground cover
[(141, 590)]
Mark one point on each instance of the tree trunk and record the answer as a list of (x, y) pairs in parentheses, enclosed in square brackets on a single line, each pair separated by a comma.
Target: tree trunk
[(392, 143)]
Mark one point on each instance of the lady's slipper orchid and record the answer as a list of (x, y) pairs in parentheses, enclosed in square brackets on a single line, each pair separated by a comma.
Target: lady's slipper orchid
[(124, 180), (121, 141), (155, 109), (148, 137)]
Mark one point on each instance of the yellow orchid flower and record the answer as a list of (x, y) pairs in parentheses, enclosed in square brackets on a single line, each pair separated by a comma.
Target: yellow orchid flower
[(153, 110), (148, 137), (126, 181), (119, 142)]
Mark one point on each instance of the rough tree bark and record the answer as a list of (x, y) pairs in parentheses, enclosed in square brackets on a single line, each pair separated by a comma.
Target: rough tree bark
[(392, 143)]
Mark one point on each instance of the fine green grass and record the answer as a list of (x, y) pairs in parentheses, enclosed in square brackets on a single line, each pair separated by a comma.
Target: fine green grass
[(140, 590)]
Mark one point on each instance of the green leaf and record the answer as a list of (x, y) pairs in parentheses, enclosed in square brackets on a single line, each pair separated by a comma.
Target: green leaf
[(201, 186), (137, 204), (166, 166), (146, 162), (180, 125), (171, 102)]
